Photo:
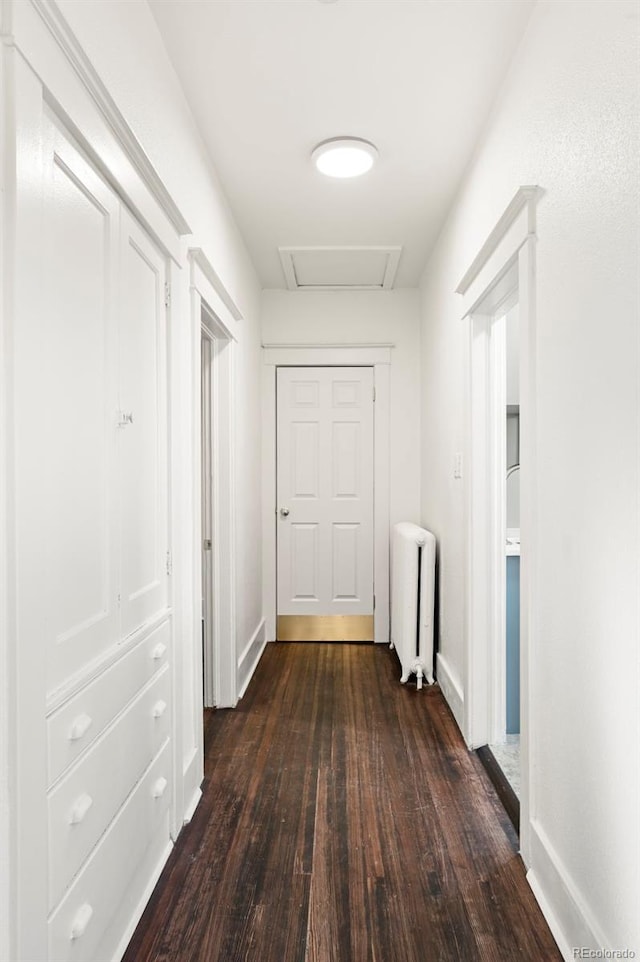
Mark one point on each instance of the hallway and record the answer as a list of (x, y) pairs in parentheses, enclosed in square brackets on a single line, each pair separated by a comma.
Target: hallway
[(342, 820)]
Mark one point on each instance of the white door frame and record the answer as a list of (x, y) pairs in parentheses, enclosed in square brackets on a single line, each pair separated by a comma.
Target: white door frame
[(210, 314), (209, 310), (377, 356), (487, 474), (504, 265), (220, 661)]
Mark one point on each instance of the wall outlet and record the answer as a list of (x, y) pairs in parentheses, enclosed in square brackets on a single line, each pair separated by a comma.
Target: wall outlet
[(457, 465)]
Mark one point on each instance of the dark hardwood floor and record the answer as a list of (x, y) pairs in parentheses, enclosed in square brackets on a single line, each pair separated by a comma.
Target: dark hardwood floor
[(343, 820)]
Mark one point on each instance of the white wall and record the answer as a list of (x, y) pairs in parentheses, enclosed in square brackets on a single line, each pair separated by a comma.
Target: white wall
[(365, 317), (567, 120), (124, 45), (7, 862)]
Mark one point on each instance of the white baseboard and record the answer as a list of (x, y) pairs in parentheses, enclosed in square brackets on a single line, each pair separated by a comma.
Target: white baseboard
[(142, 904), (451, 690), (191, 807), (192, 776), (571, 922), (569, 919), (250, 657)]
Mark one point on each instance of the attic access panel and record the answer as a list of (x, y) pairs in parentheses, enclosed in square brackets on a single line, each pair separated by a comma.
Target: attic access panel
[(340, 268)]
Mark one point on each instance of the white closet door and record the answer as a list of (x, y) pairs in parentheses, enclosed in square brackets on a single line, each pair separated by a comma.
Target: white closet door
[(143, 436), (78, 402)]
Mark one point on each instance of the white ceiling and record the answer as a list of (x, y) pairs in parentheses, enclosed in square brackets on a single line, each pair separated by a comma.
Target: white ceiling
[(268, 79)]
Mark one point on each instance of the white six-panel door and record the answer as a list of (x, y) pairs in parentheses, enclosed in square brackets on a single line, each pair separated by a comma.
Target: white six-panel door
[(325, 491)]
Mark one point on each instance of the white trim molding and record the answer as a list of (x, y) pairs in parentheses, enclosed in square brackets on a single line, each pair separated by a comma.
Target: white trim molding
[(208, 311), (525, 199), (68, 43), (570, 919), (71, 87), (218, 325), (207, 280), (317, 355), (7, 568), (327, 354), (191, 806), (248, 660), (451, 689), (142, 903)]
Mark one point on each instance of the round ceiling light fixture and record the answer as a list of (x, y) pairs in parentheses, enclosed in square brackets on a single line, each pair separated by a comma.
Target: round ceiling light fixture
[(344, 156)]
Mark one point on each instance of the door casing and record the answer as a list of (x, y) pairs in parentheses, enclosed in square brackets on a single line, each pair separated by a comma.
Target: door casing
[(208, 311), (504, 265)]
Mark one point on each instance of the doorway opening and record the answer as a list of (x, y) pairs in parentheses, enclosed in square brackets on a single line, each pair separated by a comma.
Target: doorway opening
[(505, 731), (216, 608), (208, 663), (206, 520), (495, 527), (501, 276)]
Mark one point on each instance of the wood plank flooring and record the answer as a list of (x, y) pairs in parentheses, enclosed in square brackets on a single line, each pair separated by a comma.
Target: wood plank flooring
[(342, 820)]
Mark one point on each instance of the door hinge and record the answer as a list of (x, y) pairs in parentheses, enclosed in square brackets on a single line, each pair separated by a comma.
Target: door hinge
[(374, 602), (167, 294), (169, 564), (374, 392)]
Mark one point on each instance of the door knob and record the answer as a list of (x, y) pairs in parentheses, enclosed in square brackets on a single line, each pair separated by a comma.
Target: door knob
[(284, 512)]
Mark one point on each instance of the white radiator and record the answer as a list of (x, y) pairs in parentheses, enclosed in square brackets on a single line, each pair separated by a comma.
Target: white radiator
[(413, 563)]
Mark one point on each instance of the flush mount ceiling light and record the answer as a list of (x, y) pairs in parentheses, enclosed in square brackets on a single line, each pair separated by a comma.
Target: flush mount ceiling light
[(344, 156)]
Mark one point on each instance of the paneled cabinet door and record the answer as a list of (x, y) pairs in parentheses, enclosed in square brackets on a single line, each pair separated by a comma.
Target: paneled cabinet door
[(143, 433), (74, 452)]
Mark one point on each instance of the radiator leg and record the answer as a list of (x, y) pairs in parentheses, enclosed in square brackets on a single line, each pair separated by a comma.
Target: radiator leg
[(391, 645), (419, 677)]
